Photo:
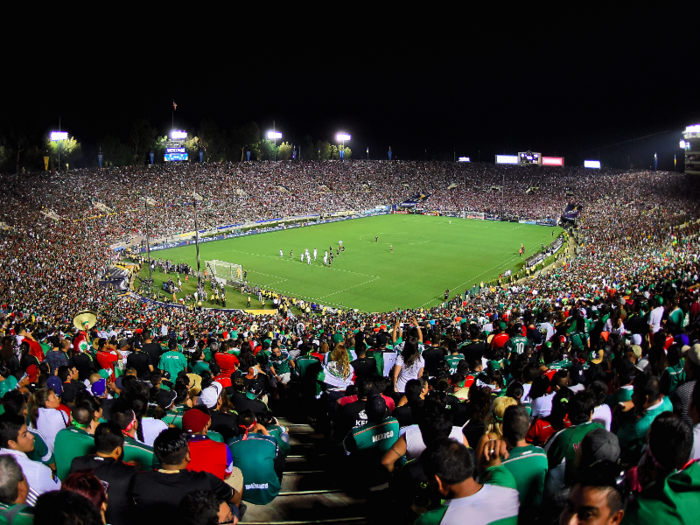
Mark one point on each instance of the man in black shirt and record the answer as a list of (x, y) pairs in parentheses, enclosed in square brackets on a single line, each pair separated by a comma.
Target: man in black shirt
[(363, 366), (139, 360), (152, 349), (108, 467), (157, 493)]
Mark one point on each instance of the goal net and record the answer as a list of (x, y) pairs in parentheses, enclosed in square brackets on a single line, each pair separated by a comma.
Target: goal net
[(225, 272)]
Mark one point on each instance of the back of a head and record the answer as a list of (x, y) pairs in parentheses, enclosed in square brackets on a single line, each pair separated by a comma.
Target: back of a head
[(365, 386), (108, 436), (413, 389), (598, 445), (65, 508), (375, 408), (171, 446), (435, 425), (540, 386), (670, 441), (123, 416), (10, 476), (81, 415), (580, 407), (85, 483), (200, 507), (604, 476), (516, 423), (448, 460)]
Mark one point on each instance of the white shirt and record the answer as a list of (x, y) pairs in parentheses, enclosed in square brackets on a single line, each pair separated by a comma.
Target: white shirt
[(151, 429), (655, 318), (408, 373), (50, 422), (542, 406), (603, 415), (39, 476), (415, 444), (695, 453)]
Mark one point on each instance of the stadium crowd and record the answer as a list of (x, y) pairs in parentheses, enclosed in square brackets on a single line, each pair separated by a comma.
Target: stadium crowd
[(570, 396)]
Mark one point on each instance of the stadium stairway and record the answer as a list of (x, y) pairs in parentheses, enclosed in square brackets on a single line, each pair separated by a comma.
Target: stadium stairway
[(311, 492)]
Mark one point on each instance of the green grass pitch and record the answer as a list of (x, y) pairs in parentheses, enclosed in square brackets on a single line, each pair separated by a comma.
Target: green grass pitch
[(430, 254)]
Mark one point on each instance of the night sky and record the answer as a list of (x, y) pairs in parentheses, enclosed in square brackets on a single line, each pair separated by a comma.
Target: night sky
[(564, 86)]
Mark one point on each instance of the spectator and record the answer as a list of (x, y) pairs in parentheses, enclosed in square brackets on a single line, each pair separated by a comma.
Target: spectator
[(85, 483), (449, 467), (17, 441), (157, 494), (680, 398), (74, 441), (203, 507), (14, 490), (596, 498), (107, 465)]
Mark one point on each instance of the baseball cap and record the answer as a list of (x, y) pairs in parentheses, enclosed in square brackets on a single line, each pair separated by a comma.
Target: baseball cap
[(692, 353), (253, 391), (165, 398), (54, 382), (194, 421), (210, 395), (637, 339), (599, 445), (637, 350)]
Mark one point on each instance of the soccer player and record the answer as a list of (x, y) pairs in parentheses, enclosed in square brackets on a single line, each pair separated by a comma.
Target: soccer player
[(302, 257), (340, 243), (376, 239), (281, 254), (308, 259), (315, 252), (391, 248), (291, 254)]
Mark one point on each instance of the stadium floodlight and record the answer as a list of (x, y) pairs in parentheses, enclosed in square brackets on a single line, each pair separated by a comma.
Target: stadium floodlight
[(463, 159), (552, 161), (176, 134), (59, 135), (693, 129), (342, 137), (274, 135), (595, 164), (682, 144)]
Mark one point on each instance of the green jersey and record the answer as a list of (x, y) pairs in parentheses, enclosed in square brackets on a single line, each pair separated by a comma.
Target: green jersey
[(453, 361), (529, 467), (199, 367), (634, 427), (620, 396), (561, 450), (670, 500), (380, 436), (255, 455), (41, 451), (71, 443), (173, 362), (495, 503), (140, 453), (517, 344)]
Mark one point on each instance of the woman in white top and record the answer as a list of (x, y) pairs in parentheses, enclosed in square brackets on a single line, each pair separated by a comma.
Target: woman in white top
[(45, 415), (337, 372), (409, 365), (148, 428)]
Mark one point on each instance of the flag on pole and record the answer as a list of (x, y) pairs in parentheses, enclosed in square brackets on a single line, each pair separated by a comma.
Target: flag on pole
[(174, 106)]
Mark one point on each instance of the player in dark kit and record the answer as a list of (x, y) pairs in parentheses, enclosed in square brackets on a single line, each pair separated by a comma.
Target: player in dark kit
[(376, 239)]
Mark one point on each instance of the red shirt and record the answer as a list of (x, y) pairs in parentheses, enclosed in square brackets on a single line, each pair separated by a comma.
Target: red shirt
[(499, 340), (107, 360), (210, 456)]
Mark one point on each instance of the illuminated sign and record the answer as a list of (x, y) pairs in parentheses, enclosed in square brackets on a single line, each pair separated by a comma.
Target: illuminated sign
[(175, 150), (169, 157), (59, 135), (552, 161), (174, 134), (682, 144), (463, 159), (693, 129), (591, 164), (506, 159)]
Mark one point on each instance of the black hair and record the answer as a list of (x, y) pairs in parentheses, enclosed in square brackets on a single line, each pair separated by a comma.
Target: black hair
[(515, 390), (81, 415), (108, 436), (171, 446), (435, 425), (516, 423), (200, 507), (448, 460), (647, 385), (10, 425), (603, 475), (14, 402), (599, 390), (63, 373), (65, 507), (581, 406), (539, 387), (670, 440), (365, 386)]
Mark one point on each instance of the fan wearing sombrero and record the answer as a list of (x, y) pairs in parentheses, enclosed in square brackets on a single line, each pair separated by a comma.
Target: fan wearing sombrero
[(83, 321)]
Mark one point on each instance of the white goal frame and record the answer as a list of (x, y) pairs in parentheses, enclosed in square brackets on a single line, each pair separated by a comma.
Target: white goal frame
[(224, 271)]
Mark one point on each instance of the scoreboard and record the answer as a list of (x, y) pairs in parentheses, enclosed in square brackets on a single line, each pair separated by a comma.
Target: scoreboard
[(175, 150)]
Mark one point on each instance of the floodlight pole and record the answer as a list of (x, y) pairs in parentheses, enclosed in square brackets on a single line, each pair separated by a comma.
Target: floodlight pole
[(503, 189), (148, 243), (59, 145), (196, 241)]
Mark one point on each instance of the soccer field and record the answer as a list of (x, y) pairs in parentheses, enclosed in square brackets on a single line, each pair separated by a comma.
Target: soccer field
[(430, 254)]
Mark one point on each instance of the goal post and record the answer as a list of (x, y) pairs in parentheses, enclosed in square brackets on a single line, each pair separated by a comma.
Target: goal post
[(224, 271)]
